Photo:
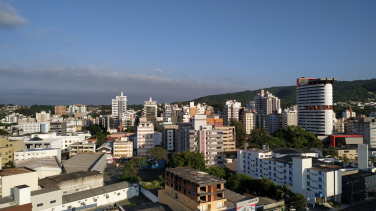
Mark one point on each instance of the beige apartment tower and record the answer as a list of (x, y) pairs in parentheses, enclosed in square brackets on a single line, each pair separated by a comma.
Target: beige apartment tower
[(229, 138), (60, 110), (145, 136)]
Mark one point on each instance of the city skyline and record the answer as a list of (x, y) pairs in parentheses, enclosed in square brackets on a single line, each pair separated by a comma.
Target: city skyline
[(89, 51)]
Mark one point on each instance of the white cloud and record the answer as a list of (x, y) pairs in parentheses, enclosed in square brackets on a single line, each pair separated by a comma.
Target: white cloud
[(90, 84), (66, 39), (159, 71), (9, 17)]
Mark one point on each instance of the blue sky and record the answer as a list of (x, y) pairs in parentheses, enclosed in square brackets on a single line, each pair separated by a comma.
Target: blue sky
[(89, 51)]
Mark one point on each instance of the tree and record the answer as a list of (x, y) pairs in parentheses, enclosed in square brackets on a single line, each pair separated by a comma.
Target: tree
[(99, 136), (3, 132), (134, 165), (296, 201), (156, 154), (297, 137), (240, 133), (274, 142), (65, 116), (194, 160), (283, 191), (240, 183), (268, 187), (94, 129), (330, 153), (216, 171), (259, 137)]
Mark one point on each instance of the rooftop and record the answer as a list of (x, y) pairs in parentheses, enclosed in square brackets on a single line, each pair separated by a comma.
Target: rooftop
[(360, 174), (34, 163), (195, 176), (81, 162), (285, 150), (54, 180), (14, 171), (7, 199), (83, 144), (95, 192), (43, 191), (262, 200), (234, 197), (259, 150)]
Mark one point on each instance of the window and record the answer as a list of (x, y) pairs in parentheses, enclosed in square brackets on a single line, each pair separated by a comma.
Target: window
[(54, 201), (82, 204), (107, 197), (95, 200), (118, 194), (39, 205), (69, 207)]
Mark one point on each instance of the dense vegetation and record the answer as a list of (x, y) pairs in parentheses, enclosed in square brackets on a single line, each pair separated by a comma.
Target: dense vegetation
[(292, 137), (30, 111), (343, 91)]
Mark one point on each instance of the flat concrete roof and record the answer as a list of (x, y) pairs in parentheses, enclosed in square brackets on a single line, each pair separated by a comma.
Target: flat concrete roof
[(233, 197), (43, 191), (232, 166), (195, 176), (34, 163), (81, 162), (54, 180), (6, 199), (14, 171), (95, 192)]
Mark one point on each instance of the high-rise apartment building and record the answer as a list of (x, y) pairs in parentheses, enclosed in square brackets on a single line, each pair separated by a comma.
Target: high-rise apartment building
[(170, 137), (290, 118), (229, 138), (249, 121), (315, 104), (145, 136), (77, 110), (60, 128), (367, 128), (267, 104), (251, 105), (150, 110), (167, 110), (42, 116), (231, 111), (348, 114), (204, 139), (119, 110), (60, 110)]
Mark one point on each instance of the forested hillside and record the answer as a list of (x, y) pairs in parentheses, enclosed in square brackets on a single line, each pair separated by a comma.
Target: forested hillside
[(343, 91)]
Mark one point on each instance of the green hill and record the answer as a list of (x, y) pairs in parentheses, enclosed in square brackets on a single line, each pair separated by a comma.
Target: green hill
[(343, 91)]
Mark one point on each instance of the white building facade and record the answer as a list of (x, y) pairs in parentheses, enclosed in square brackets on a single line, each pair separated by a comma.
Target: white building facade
[(317, 183), (145, 137), (29, 128), (231, 111), (315, 105), (119, 110)]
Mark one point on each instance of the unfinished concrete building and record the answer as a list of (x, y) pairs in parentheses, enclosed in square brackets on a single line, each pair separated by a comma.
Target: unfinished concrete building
[(197, 190)]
